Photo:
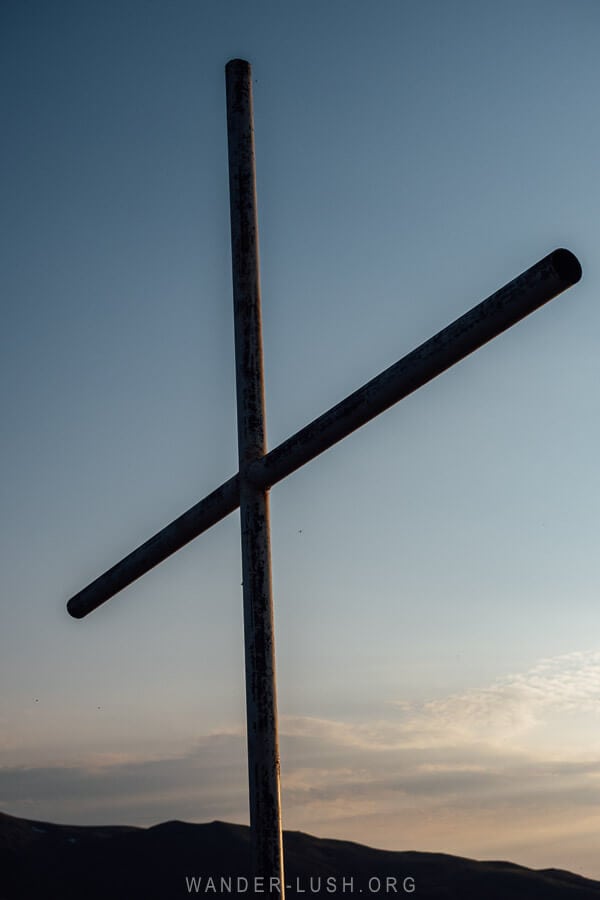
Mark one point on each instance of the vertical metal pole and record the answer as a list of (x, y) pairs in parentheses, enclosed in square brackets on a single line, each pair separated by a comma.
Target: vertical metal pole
[(261, 698)]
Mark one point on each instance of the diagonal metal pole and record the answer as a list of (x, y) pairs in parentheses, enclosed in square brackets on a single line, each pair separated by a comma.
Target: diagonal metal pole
[(527, 292), (261, 698)]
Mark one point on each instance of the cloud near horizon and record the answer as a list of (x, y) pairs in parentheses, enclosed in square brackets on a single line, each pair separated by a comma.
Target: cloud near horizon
[(514, 705), (468, 773)]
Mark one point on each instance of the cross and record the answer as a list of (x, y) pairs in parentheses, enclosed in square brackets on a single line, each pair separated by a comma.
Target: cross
[(259, 470)]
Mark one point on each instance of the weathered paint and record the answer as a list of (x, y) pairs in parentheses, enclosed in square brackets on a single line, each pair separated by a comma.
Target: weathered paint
[(259, 640), (530, 290), (259, 471), (200, 517)]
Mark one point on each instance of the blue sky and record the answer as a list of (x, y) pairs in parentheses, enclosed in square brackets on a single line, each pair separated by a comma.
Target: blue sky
[(438, 631)]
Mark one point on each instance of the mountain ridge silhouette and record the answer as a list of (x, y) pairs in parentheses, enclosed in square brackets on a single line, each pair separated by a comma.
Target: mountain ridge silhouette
[(41, 859)]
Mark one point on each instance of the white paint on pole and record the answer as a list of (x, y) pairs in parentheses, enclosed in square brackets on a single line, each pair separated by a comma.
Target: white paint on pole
[(546, 279), (261, 697), (259, 470)]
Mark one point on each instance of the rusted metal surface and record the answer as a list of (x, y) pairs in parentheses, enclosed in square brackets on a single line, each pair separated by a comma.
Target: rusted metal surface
[(539, 284), (261, 697), (514, 301), (159, 547), (259, 471)]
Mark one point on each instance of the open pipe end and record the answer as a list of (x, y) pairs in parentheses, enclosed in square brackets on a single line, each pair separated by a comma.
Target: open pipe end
[(566, 265), (74, 609), (237, 64)]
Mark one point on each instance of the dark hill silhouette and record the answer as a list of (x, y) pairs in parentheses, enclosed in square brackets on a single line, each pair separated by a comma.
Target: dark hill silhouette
[(39, 859)]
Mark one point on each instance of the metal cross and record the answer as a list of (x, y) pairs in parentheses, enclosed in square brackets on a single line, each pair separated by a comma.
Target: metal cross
[(259, 470)]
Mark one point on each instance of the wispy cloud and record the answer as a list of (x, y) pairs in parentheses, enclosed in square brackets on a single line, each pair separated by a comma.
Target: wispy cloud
[(495, 715), (510, 706), (465, 773)]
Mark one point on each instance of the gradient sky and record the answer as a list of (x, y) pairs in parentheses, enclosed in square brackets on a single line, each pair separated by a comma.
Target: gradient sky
[(436, 574)]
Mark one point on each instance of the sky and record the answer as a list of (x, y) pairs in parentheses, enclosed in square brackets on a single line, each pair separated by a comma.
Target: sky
[(435, 574)]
